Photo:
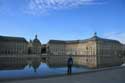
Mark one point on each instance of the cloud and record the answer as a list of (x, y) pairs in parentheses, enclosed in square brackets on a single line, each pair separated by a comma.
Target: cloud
[(42, 6), (116, 35), (36, 7)]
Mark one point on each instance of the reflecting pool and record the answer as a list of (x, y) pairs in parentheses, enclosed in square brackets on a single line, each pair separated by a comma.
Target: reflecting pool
[(37, 70)]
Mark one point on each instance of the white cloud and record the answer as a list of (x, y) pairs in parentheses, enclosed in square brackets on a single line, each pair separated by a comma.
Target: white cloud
[(41, 6), (116, 35)]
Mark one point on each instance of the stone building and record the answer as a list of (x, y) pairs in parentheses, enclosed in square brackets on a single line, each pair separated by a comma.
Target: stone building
[(19, 45), (35, 46), (123, 57), (93, 52), (16, 50), (13, 45)]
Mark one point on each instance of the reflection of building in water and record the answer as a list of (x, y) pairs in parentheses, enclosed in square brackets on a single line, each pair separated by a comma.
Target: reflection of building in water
[(8, 63), (11, 63), (17, 63), (12, 67), (35, 65), (93, 52)]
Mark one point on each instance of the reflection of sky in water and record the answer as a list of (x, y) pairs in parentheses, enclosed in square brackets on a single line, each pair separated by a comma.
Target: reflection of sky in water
[(43, 70)]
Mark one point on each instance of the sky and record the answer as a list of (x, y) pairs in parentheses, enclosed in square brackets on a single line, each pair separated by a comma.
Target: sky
[(63, 19)]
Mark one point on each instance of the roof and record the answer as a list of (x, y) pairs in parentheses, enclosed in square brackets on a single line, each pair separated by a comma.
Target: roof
[(16, 39), (94, 38), (36, 41), (56, 41)]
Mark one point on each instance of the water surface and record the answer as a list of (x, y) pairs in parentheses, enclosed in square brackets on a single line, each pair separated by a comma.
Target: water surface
[(38, 71)]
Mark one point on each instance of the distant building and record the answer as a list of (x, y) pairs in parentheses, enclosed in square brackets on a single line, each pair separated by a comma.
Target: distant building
[(123, 57), (35, 46), (19, 45), (44, 48), (13, 45), (94, 52), (16, 51)]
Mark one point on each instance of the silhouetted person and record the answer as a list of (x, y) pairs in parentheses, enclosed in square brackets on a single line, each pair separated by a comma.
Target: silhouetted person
[(69, 65)]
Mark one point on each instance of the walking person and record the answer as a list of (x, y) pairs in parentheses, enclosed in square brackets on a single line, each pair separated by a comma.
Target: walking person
[(69, 65)]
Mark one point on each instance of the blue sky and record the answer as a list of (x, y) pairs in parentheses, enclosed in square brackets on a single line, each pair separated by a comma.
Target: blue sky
[(63, 19)]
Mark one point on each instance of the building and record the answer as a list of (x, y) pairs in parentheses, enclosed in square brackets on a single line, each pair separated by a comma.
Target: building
[(13, 45), (35, 46), (16, 50), (19, 45), (44, 50), (93, 52), (123, 57)]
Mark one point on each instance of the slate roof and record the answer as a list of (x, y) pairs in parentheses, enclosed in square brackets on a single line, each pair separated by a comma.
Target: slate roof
[(36, 41), (16, 39), (94, 38)]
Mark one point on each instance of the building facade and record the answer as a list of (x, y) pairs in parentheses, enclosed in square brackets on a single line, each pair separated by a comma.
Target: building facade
[(19, 45), (94, 52), (13, 45), (35, 46), (123, 57), (16, 50)]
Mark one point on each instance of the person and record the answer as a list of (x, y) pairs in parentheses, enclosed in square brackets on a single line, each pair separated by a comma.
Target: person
[(69, 65)]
